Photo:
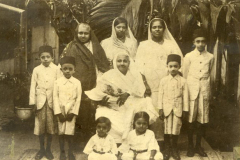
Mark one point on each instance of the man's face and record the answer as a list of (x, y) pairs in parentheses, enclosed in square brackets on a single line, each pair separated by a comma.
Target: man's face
[(200, 43), (83, 33)]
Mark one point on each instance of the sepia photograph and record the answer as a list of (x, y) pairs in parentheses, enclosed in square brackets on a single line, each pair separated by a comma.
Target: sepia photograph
[(119, 79)]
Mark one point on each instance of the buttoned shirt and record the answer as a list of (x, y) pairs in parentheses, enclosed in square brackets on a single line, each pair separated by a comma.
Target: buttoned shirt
[(67, 96), (197, 69), (173, 95), (198, 65), (42, 85)]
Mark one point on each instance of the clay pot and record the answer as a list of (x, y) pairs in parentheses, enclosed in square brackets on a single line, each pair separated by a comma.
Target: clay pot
[(23, 113)]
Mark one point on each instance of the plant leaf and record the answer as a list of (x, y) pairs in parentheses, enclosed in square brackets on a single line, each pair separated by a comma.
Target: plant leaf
[(214, 15)]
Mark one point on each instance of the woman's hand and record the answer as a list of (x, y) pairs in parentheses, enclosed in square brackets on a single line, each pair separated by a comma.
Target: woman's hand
[(148, 92), (161, 114), (104, 101), (122, 99)]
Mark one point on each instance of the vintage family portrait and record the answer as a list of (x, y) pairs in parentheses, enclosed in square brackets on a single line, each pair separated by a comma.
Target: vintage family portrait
[(119, 79)]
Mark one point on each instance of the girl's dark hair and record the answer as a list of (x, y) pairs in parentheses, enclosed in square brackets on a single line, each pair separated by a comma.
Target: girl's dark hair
[(160, 20), (103, 120), (119, 20), (141, 114)]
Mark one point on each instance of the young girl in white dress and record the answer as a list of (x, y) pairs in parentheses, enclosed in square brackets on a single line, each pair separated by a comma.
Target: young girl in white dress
[(140, 143), (101, 145)]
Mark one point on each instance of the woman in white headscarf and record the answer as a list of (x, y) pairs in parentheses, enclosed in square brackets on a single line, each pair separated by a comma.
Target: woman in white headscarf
[(151, 60), (124, 89), (121, 39)]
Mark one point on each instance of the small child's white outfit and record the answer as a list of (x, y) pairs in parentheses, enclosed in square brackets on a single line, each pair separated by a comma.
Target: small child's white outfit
[(140, 146), (66, 98), (99, 148)]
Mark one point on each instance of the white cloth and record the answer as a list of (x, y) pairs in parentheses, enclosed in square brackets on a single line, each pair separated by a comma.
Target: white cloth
[(151, 60), (113, 45), (66, 97), (136, 142), (112, 84), (42, 85), (172, 124), (107, 145), (197, 68), (151, 57)]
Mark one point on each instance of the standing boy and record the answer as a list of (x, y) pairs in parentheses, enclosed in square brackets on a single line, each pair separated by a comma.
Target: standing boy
[(66, 97), (197, 68), (173, 105), (41, 97)]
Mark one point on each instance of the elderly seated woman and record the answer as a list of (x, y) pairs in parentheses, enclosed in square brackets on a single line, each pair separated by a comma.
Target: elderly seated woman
[(119, 94)]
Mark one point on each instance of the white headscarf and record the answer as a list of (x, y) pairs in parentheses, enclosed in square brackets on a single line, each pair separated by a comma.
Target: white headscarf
[(166, 35), (119, 44)]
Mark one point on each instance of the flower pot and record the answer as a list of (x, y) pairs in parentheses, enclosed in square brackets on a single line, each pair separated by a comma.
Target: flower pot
[(23, 113)]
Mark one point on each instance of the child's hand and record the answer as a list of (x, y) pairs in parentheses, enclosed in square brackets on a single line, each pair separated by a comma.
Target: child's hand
[(184, 115), (34, 108), (151, 158), (61, 117), (119, 157), (161, 114), (70, 117)]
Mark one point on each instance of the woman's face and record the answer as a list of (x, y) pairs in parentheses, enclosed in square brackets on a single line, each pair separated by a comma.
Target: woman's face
[(121, 30), (83, 33), (157, 29), (123, 63)]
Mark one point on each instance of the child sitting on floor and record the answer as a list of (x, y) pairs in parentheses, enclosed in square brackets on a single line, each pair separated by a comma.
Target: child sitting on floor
[(101, 145), (140, 143)]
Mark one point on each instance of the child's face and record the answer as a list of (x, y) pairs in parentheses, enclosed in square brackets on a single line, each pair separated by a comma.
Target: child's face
[(102, 129), (46, 58), (173, 68), (200, 43), (68, 70), (141, 125)]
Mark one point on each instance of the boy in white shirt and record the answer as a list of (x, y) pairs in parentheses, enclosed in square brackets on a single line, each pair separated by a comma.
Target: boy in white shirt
[(197, 68), (41, 99), (66, 98), (173, 105)]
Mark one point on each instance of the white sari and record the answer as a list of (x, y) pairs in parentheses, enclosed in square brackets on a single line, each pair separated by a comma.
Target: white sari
[(151, 60), (121, 117), (113, 45)]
